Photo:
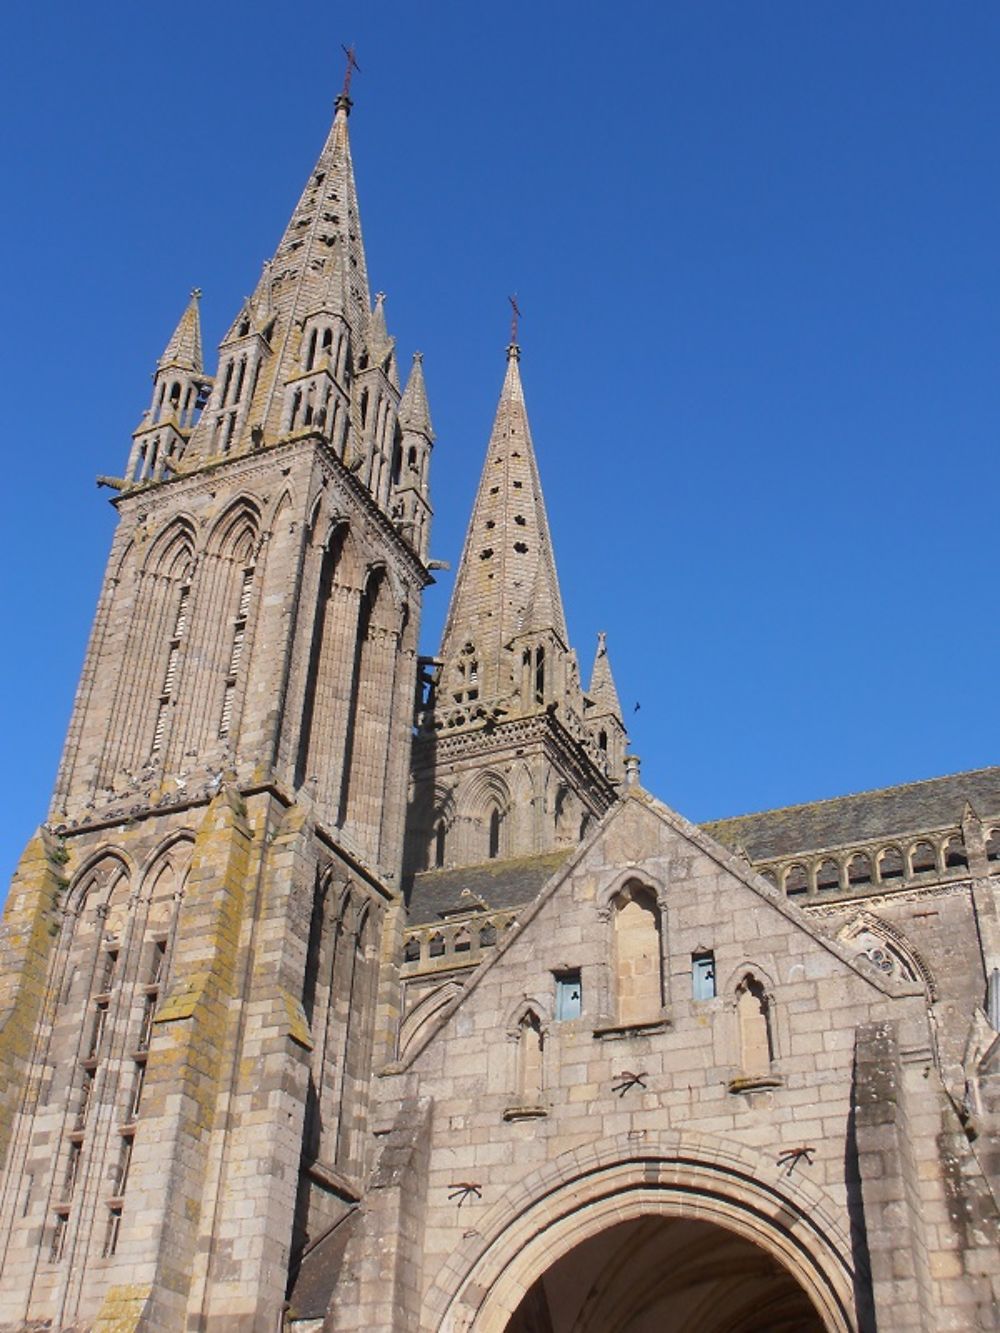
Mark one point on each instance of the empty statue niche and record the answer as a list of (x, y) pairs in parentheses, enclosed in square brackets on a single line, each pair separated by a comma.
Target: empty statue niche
[(638, 969), (528, 1037), (754, 1015)]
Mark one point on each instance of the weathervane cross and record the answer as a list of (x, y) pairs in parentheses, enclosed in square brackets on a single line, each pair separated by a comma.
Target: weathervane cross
[(515, 316), (352, 65)]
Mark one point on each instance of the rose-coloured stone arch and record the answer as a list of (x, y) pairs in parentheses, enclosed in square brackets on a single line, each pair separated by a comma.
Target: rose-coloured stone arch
[(673, 1174)]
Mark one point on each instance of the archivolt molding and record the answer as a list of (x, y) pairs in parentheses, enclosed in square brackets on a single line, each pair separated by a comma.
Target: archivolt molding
[(172, 548), (632, 875), (423, 1013), (180, 842), (240, 519), (673, 1174), (866, 932), (482, 792), (97, 873), (528, 1004)]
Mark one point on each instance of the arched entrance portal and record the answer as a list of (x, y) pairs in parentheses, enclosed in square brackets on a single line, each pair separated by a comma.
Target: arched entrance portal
[(657, 1273)]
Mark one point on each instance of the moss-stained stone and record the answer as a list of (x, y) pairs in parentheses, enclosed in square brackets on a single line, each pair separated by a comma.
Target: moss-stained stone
[(122, 1309), (27, 935), (298, 1024)]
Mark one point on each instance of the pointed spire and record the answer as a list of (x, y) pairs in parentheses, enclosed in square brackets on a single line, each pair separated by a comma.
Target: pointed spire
[(414, 412), (506, 584), (320, 260), (602, 693), (184, 348)]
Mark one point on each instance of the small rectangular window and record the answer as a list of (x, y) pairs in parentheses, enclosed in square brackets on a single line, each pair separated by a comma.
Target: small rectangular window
[(703, 976), (569, 995)]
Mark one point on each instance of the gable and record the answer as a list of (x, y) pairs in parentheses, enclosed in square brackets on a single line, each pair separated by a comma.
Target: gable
[(704, 901)]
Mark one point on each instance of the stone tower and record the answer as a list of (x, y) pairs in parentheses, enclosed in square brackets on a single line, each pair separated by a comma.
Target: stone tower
[(511, 759), (190, 1003)]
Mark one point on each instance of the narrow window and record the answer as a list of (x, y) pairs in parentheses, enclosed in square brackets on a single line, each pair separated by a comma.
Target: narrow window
[(569, 995), (59, 1229), (170, 673), (235, 653), (135, 1095), (239, 380), (97, 1031), (495, 823), (108, 971), (703, 976), (436, 949), (157, 960), (72, 1169), (440, 833), (123, 1164), (146, 1024), (411, 950), (112, 1232), (311, 354), (540, 674), (86, 1092)]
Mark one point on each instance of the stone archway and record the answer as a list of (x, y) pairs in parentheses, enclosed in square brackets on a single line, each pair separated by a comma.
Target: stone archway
[(653, 1273), (786, 1233)]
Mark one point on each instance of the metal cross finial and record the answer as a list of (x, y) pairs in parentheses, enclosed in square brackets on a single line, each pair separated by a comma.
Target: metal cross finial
[(515, 316), (352, 65)]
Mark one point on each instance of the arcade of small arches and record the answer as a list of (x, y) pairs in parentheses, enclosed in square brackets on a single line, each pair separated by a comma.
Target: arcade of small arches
[(861, 870)]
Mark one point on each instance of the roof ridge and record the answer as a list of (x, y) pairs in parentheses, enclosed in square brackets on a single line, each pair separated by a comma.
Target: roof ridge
[(847, 796)]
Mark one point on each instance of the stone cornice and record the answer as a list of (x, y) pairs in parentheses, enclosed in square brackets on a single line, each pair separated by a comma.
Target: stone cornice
[(540, 730)]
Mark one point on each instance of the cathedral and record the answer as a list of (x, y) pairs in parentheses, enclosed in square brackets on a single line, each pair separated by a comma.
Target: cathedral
[(349, 989)]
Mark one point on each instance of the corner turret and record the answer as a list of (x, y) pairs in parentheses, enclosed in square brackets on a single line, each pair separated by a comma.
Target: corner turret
[(603, 716), (411, 508), (180, 389)]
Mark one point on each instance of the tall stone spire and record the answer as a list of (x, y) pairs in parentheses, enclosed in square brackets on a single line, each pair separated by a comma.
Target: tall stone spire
[(506, 588), (307, 354), (505, 763)]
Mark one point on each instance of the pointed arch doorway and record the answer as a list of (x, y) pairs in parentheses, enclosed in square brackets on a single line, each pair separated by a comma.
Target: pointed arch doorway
[(657, 1273)]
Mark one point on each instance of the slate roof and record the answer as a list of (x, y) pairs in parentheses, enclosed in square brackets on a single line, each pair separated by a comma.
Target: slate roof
[(863, 817), (435, 894)]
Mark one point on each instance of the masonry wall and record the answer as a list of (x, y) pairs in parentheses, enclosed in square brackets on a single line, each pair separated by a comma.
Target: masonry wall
[(679, 1075)]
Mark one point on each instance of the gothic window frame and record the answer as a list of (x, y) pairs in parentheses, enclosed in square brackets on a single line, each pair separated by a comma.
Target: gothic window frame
[(609, 1021)]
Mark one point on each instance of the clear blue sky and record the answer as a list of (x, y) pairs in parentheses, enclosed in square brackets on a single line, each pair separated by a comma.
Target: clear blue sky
[(756, 246)]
